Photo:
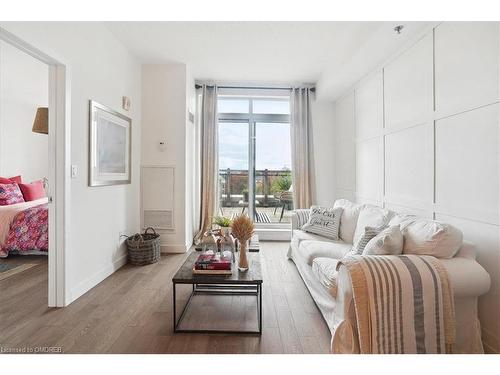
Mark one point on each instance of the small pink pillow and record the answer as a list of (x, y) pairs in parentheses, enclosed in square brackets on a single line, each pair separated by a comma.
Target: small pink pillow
[(16, 179), (10, 194), (33, 191)]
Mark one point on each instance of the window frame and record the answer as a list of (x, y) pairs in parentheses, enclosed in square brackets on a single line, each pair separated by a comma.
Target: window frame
[(252, 120)]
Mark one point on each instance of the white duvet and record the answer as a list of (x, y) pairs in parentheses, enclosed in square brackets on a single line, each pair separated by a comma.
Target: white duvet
[(8, 213)]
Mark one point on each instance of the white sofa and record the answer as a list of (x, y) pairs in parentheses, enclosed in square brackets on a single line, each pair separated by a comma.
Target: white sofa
[(316, 258)]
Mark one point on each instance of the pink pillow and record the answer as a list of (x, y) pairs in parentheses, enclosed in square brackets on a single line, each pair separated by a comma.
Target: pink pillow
[(10, 194), (16, 179), (33, 191)]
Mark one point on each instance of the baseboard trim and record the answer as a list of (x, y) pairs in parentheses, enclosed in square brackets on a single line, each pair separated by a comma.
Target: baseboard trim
[(174, 249), (87, 284)]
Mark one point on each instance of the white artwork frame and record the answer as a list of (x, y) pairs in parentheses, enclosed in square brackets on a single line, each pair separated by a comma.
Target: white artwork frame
[(109, 146)]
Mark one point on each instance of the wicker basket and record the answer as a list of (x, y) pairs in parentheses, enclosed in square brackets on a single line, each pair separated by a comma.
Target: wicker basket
[(144, 248)]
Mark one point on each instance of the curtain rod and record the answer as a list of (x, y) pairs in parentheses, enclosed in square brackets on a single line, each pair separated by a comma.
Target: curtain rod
[(198, 86)]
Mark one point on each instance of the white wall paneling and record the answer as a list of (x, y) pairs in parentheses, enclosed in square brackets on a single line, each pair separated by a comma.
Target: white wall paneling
[(408, 87), (466, 80), (421, 212), (408, 165), (369, 108), (437, 154), (369, 169), (467, 164)]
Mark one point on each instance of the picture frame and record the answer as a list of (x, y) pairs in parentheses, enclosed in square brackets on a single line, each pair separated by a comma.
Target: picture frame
[(110, 146)]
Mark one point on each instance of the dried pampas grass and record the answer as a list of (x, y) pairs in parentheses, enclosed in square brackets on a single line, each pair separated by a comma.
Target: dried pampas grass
[(242, 228)]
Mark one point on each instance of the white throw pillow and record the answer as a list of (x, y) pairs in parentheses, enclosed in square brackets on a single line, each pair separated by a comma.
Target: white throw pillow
[(429, 237), (324, 221), (371, 216), (348, 219), (388, 242)]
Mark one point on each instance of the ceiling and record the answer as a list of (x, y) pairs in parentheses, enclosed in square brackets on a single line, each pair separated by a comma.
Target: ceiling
[(265, 52)]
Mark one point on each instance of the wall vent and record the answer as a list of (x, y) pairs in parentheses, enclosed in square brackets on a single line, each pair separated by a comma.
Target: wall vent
[(159, 219)]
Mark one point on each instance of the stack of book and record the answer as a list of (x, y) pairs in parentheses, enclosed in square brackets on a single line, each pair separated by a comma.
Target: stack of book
[(213, 264)]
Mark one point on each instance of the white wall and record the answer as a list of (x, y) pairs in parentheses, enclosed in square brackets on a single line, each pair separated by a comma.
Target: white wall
[(421, 136), (24, 86), (100, 68), (167, 95), (344, 148), (323, 133), (191, 224)]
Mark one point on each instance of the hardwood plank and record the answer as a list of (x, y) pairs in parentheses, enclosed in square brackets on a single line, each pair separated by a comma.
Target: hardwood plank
[(131, 312)]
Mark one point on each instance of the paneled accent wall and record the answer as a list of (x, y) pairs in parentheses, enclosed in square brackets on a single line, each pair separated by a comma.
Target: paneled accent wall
[(421, 136)]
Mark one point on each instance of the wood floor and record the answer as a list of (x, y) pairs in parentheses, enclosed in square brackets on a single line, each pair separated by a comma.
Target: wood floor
[(131, 312)]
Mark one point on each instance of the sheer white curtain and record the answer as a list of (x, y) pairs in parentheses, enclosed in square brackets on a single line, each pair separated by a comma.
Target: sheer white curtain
[(302, 150), (208, 131)]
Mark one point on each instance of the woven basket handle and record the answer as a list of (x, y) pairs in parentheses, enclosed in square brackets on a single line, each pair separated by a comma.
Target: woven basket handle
[(147, 230), (137, 237)]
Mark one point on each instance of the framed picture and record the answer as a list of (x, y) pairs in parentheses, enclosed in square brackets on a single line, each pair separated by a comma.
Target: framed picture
[(110, 146)]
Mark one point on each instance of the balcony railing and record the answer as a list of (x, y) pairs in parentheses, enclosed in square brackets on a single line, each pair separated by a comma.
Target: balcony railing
[(233, 187)]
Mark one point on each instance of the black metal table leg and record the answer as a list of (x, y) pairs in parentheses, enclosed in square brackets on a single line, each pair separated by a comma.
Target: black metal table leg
[(246, 290), (174, 313), (260, 309)]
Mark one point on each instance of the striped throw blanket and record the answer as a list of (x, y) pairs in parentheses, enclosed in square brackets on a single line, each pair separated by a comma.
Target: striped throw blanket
[(403, 304)]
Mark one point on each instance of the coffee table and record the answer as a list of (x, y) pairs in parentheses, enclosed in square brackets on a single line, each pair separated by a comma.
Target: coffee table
[(238, 283)]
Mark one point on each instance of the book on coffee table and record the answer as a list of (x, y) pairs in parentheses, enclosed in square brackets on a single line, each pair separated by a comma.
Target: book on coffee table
[(213, 264), (212, 272)]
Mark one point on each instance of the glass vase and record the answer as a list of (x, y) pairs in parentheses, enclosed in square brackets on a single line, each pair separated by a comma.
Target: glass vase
[(243, 262)]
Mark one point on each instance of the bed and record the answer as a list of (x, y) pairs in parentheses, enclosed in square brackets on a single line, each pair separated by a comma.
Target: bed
[(24, 228)]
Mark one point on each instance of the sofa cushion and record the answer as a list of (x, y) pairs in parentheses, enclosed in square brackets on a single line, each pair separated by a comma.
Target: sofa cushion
[(324, 221), (324, 269), (348, 219), (371, 216), (309, 250), (428, 237), (299, 235), (388, 242)]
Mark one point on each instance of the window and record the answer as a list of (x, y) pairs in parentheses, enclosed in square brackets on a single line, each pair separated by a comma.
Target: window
[(255, 158), (279, 107), (230, 105)]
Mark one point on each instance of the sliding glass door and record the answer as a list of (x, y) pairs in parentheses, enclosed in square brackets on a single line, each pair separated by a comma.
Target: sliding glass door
[(233, 167), (273, 177), (255, 160)]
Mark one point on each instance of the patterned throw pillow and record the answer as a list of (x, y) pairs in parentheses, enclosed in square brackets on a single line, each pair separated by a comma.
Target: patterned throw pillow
[(370, 233), (387, 242), (10, 194), (324, 221)]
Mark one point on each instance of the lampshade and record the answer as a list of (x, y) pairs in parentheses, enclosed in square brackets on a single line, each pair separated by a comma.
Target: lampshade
[(41, 123)]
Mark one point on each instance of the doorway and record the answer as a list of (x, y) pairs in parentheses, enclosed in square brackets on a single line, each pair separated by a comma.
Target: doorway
[(58, 187)]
